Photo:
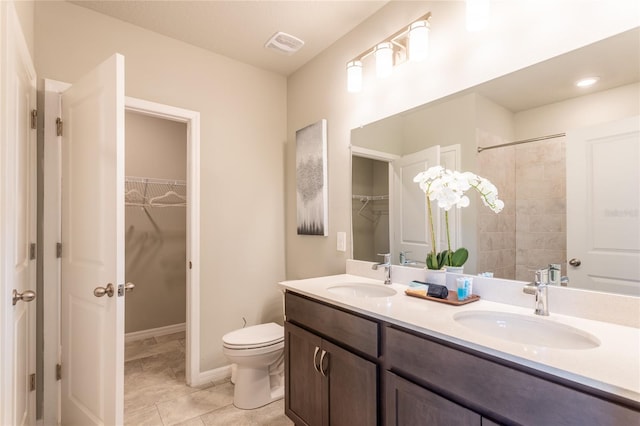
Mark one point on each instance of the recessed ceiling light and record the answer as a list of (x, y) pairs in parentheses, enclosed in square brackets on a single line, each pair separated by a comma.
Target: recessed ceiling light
[(586, 82)]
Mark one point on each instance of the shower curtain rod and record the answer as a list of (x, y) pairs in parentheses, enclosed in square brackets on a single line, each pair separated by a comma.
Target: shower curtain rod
[(541, 138)]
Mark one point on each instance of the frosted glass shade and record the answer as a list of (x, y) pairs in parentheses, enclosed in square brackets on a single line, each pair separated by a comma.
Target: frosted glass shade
[(384, 59), (419, 41), (354, 77)]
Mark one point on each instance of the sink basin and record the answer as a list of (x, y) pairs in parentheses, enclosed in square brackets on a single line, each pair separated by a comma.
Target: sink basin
[(361, 290), (527, 330)]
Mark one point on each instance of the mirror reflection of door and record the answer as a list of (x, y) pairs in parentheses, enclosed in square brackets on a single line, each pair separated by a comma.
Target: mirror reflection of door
[(603, 231)]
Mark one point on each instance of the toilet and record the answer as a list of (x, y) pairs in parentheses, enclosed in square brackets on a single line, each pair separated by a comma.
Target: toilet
[(258, 355)]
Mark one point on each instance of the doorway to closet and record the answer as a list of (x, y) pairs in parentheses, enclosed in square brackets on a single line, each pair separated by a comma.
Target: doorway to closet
[(155, 258), (61, 361)]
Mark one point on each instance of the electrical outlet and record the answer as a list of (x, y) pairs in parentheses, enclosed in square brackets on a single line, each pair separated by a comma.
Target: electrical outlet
[(342, 241)]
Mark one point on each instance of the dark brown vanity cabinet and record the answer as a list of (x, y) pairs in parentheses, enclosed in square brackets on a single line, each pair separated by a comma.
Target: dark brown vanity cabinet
[(409, 404), (326, 383), (449, 380), (343, 368)]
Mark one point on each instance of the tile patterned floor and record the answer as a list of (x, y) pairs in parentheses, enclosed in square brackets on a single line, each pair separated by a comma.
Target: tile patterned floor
[(155, 393)]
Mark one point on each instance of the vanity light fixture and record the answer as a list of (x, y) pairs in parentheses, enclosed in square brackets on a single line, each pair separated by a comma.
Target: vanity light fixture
[(478, 12), (410, 42), (586, 82)]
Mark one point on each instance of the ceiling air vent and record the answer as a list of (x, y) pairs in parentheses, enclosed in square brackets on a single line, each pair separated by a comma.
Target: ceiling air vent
[(284, 43)]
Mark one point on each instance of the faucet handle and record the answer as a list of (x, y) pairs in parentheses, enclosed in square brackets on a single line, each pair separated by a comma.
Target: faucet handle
[(387, 257), (542, 277)]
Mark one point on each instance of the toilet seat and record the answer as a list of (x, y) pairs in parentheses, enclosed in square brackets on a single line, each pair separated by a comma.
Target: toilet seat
[(254, 337)]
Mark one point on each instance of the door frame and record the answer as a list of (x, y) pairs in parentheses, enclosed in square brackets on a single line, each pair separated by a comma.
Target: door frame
[(357, 151), (51, 236)]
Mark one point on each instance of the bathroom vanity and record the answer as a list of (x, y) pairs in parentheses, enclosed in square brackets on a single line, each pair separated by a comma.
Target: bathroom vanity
[(390, 359)]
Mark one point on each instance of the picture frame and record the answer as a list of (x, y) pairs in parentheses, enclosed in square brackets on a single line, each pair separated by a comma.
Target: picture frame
[(311, 179)]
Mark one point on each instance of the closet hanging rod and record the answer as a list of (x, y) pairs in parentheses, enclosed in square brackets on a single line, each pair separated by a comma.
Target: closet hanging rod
[(541, 138), (135, 179), (370, 197)]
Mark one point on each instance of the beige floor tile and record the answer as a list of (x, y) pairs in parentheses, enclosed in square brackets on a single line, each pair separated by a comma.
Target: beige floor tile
[(147, 396), (145, 350), (145, 417), (195, 404), (169, 337), (269, 415), (196, 421), (156, 393)]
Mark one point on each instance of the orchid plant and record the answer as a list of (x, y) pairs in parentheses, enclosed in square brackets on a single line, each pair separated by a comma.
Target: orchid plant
[(448, 188)]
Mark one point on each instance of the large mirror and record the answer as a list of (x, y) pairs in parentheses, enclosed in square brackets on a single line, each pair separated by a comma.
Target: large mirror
[(534, 177)]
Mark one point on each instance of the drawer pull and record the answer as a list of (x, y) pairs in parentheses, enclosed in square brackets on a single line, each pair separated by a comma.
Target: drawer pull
[(316, 365), (323, 371)]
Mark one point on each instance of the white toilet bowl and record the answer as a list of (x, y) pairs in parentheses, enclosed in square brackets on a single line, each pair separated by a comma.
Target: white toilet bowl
[(258, 352)]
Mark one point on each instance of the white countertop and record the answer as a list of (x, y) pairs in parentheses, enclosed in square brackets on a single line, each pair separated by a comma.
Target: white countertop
[(613, 367)]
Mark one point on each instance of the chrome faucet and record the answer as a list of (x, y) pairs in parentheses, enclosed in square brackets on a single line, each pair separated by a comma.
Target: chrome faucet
[(404, 260), (387, 267), (539, 288)]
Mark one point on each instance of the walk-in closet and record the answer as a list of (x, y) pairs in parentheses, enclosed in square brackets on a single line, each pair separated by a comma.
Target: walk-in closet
[(155, 258)]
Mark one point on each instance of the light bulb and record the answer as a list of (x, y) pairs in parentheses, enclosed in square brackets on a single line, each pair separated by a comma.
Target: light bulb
[(354, 77), (418, 41), (384, 59)]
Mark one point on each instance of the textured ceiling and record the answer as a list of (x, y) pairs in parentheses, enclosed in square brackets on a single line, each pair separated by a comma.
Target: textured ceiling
[(239, 29)]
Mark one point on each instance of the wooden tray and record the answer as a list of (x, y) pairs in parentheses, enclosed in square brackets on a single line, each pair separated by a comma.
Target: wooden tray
[(452, 299)]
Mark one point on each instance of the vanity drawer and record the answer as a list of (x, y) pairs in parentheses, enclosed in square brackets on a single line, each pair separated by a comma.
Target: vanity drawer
[(342, 327), (497, 390)]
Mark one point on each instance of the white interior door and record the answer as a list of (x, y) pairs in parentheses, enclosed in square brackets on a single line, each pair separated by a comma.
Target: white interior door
[(17, 225), (92, 328), (603, 206), (410, 231)]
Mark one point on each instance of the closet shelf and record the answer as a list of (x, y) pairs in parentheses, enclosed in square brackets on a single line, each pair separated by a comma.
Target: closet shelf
[(150, 192)]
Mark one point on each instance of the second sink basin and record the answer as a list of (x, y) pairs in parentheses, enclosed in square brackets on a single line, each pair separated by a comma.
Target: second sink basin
[(527, 330), (361, 290)]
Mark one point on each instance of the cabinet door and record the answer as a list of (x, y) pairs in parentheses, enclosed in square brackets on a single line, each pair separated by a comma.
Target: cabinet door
[(409, 405), (303, 383), (352, 383)]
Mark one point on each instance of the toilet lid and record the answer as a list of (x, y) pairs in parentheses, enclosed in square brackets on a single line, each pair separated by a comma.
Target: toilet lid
[(256, 335)]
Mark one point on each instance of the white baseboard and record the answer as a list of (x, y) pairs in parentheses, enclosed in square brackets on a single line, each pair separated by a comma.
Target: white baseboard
[(214, 375), (153, 332)]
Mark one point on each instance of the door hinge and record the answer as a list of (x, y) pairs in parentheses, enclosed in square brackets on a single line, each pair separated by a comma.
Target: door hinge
[(59, 126), (32, 251), (58, 250), (34, 118), (58, 371), (190, 265), (32, 382)]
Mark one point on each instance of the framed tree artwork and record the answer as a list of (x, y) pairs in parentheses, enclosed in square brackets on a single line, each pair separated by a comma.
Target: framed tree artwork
[(311, 179)]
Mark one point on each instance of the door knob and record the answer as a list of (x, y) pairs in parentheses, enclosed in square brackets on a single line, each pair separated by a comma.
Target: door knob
[(25, 296), (101, 291), (575, 262), (129, 287)]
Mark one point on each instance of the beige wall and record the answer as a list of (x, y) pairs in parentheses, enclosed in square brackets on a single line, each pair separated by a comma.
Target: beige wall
[(243, 130), (155, 258), (522, 33)]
